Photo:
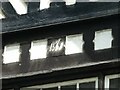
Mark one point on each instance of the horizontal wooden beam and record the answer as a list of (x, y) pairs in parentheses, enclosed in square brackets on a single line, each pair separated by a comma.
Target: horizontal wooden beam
[(57, 76), (59, 63)]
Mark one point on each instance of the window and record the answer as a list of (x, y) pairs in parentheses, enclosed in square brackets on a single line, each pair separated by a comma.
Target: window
[(103, 39), (112, 81), (11, 53), (38, 49), (70, 85), (74, 44)]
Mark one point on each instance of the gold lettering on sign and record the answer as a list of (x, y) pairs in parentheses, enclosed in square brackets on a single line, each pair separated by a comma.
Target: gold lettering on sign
[(56, 45)]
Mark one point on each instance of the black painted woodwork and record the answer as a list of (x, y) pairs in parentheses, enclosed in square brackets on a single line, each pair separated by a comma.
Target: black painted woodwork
[(33, 6), (57, 22), (54, 61), (59, 14), (69, 74), (8, 10)]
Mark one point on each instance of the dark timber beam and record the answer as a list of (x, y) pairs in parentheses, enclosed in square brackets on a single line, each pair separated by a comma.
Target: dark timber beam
[(33, 5), (8, 10), (88, 29), (57, 15), (69, 74)]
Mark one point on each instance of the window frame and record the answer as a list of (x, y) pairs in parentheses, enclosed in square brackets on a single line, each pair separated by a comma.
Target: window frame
[(5, 51), (80, 35), (95, 39), (109, 77), (66, 83), (32, 44)]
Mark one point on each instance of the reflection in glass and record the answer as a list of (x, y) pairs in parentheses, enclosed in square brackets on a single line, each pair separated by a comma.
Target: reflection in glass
[(38, 49), (88, 86), (103, 39), (74, 44), (115, 83), (9, 52), (70, 87)]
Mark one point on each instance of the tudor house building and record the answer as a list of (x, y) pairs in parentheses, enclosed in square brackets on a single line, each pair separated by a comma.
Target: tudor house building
[(62, 47)]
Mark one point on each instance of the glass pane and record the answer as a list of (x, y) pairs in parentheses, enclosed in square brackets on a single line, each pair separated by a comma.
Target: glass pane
[(9, 51), (87, 85), (115, 83), (38, 49), (70, 87), (39, 88), (74, 44), (55, 88), (103, 39)]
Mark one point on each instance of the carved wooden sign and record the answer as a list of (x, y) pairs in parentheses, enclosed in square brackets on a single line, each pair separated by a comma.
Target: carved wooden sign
[(56, 46)]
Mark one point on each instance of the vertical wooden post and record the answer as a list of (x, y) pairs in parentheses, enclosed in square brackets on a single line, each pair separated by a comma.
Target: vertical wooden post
[(33, 5), (88, 38), (25, 56)]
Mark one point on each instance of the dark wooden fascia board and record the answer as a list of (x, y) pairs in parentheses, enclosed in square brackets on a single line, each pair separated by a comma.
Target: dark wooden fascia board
[(59, 15), (57, 76)]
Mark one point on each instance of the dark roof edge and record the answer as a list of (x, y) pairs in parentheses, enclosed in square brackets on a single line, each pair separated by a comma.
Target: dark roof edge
[(55, 16)]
